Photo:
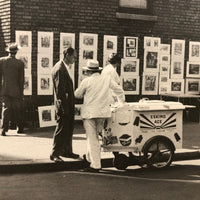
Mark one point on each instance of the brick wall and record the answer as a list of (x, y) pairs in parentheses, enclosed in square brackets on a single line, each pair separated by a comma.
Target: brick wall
[(176, 20)]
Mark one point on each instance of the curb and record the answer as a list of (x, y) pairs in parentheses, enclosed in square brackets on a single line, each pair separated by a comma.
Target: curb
[(45, 166)]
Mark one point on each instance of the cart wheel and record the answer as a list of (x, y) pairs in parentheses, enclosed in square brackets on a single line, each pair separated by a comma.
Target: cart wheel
[(159, 153), (120, 161)]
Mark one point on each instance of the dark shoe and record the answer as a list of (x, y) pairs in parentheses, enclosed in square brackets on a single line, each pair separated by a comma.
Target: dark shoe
[(20, 131), (56, 159), (70, 155), (87, 163), (90, 169), (3, 133)]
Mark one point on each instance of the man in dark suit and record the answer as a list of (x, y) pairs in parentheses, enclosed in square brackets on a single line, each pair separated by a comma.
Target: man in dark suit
[(64, 103), (12, 87)]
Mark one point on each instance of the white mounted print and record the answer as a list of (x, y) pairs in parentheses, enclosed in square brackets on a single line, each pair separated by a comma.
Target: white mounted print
[(150, 83), (130, 67), (45, 63), (177, 86), (165, 59), (193, 69), (177, 68), (27, 84), (194, 51), (110, 44), (164, 79), (66, 40), (164, 69), (130, 47), (178, 49), (45, 85), (47, 116), (164, 49), (192, 86), (24, 40), (130, 84), (88, 41), (148, 42), (45, 42), (151, 61), (164, 89)]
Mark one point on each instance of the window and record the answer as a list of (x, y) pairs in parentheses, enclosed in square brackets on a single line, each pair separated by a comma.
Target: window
[(141, 4)]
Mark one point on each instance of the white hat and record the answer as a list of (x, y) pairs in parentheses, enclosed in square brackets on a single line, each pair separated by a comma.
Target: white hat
[(92, 65)]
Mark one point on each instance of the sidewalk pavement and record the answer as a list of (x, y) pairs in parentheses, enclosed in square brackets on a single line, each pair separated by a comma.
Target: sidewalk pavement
[(29, 152)]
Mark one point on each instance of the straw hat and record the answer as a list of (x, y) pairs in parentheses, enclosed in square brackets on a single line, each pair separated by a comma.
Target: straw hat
[(92, 65)]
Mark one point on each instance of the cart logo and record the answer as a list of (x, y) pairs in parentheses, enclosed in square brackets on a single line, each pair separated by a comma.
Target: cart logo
[(109, 138), (125, 140), (158, 121)]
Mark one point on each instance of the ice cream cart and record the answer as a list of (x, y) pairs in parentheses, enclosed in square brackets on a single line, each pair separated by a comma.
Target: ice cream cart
[(148, 131)]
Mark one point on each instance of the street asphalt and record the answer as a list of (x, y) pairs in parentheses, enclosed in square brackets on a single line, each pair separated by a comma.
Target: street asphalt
[(29, 152)]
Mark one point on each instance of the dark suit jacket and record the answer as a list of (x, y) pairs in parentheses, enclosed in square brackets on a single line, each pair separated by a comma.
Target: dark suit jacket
[(63, 88), (11, 77)]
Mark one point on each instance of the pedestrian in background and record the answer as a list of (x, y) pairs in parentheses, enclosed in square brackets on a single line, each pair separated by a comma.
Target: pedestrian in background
[(12, 88), (110, 69), (64, 103), (96, 108)]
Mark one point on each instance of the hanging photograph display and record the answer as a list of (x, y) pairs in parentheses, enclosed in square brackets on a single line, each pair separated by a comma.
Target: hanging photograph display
[(164, 89), (164, 59), (151, 61), (193, 69), (45, 42), (150, 83), (130, 66), (192, 86), (163, 79), (177, 68), (178, 49), (164, 69), (130, 47), (194, 51), (176, 86), (45, 85), (164, 49), (45, 63), (151, 43), (130, 84), (24, 40)]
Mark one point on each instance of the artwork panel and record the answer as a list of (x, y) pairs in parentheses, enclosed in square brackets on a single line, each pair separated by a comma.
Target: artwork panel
[(45, 85), (66, 40), (178, 49), (177, 86), (45, 42), (88, 41), (194, 51), (45, 63), (165, 49), (130, 84), (110, 44), (177, 68), (193, 69), (151, 61), (130, 66), (150, 83), (130, 47), (192, 86)]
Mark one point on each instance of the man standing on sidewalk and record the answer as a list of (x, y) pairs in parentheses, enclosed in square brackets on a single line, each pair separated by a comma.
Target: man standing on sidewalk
[(12, 87), (64, 103), (95, 90)]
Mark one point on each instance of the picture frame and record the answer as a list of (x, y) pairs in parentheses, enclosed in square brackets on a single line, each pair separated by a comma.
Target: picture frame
[(130, 67), (177, 86), (47, 116), (150, 83), (148, 42), (151, 61), (177, 68), (164, 69), (88, 41), (156, 43), (165, 49), (45, 85), (77, 112), (164, 79), (45, 42), (192, 86), (24, 40), (164, 59), (130, 47), (66, 40), (178, 49), (130, 84), (193, 69), (164, 89), (27, 84), (110, 44), (26, 59), (194, 51), (45, 63)]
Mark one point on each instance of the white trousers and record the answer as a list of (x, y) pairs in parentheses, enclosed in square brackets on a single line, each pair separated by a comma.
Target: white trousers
[(93, 127)]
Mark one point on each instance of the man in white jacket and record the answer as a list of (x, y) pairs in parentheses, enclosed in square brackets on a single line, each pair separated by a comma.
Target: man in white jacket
[(95, 91)]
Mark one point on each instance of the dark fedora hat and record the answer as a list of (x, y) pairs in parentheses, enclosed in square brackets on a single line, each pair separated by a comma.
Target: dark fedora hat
[(13, 47)]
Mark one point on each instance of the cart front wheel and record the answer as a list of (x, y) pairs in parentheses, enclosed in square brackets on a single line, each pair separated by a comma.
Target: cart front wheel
[(120, 161), (158, 153)]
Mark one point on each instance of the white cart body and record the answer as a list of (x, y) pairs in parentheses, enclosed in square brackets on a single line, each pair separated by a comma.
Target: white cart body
[(133, 124)]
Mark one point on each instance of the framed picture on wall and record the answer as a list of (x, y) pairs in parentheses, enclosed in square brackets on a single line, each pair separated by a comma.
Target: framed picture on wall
[(27, 84), (164, 79), (192, 86), (156, 43), (194, 51), (109, 44), (88, 41), (130, 47), (164, 49), (151, 61), (66, 40), (148, 42), (24, 40), (177, 68), (164, 89), (45, 42), (47, 116), (177, 86), (165, 59), (193, 69), (45, 63), (130, 66), (150, 83), (77, 112), (45, 85), (164, 69), (178, 49), (26, 59), (130, 84)]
